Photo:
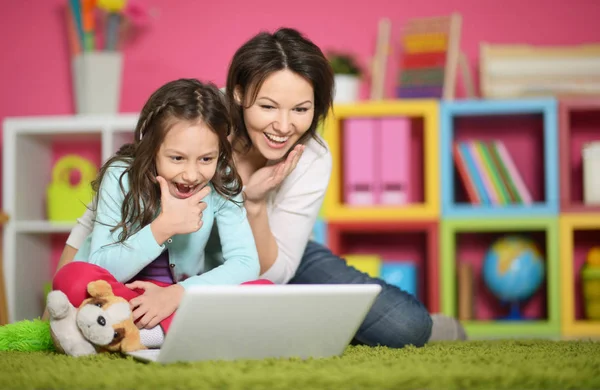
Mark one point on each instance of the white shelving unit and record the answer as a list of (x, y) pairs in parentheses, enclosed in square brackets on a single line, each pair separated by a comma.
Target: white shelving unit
[(27, 166)]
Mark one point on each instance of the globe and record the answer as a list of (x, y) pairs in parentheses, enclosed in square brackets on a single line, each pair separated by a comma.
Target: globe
[(513, 270)]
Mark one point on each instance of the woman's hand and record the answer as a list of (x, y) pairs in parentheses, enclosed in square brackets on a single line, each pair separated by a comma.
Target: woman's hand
[(155, 304), (268, 178)]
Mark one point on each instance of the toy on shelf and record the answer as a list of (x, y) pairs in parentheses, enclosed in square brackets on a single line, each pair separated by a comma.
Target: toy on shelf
[(513, 270), (430, 58), (579, 259), (66, 201), (590, 275), (513, 71), (430, 49)]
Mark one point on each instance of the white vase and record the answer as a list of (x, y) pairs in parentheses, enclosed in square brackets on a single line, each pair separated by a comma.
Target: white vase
[(347, 88)]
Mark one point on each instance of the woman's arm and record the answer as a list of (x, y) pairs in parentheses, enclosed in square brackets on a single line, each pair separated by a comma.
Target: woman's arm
[(281, 234), (239, 249), (265, 241), (83, 228), (78, 234)]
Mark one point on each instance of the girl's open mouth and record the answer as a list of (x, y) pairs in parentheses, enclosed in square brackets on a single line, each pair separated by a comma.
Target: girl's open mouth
[(184, 191)]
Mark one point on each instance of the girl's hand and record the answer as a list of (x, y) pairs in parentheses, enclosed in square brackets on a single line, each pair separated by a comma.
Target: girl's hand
[(155, 304), (268, 178), (180, 216)]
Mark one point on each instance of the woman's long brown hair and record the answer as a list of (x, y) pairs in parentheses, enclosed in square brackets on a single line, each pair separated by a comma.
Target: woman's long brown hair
[(181, 100), (267, 53)]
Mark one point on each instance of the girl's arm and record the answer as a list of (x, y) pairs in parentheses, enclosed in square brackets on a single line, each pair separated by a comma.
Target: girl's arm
[(282, 235), (239, 249), (122, 260)]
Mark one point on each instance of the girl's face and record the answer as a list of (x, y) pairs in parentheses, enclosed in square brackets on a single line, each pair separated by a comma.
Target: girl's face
[(187, 158), (282, 113)]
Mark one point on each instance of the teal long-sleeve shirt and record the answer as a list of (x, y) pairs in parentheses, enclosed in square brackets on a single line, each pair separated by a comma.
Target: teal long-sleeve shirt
[(186, 251)]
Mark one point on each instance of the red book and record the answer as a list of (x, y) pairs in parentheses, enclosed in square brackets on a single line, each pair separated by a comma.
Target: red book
[(463, 172)]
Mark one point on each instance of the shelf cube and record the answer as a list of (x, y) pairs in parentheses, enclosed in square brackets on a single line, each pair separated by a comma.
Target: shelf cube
[(423, 196), (579, 124), (32, 243), (401, 242), (527, 128), (578, 234), (466, 241)]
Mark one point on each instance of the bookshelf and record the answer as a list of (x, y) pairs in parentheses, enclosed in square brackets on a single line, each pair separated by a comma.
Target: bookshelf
[(32, 242), (437, 229), (467, 240), (527, 128), (579, 120), (423, 198), (578, 234)]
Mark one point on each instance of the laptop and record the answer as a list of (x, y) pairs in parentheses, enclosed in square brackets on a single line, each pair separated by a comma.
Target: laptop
[(264, 321)]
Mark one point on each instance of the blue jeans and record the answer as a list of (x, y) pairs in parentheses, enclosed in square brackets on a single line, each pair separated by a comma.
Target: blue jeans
[(397, 318)]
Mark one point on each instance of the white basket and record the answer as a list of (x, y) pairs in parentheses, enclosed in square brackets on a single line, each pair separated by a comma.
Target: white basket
[(591, 172), (97, 82)]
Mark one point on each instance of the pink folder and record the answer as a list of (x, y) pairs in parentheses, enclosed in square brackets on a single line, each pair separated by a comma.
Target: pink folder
[(359, 161), (393, 160)]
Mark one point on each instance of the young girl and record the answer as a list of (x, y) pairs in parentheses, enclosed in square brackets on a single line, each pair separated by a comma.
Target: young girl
[(156, 203)]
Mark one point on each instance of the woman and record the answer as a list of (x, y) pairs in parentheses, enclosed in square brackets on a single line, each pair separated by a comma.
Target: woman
[(280, 87)]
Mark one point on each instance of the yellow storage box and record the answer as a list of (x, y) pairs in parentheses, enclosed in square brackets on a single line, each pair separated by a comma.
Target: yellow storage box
[(68, 202)]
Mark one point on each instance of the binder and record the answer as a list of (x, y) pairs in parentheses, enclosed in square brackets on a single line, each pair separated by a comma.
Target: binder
[(394, 160), (359, 151)]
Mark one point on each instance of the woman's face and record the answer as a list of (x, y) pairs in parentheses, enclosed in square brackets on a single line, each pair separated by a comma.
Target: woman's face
[(282, 113)]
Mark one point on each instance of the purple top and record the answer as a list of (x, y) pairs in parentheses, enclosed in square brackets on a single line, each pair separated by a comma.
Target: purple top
[(157, 270)]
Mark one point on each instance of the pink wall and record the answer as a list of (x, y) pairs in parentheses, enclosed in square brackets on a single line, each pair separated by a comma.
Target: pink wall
[(195, 39)]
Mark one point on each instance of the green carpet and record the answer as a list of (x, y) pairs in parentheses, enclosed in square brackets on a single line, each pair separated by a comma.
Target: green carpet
[(518, 364)]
